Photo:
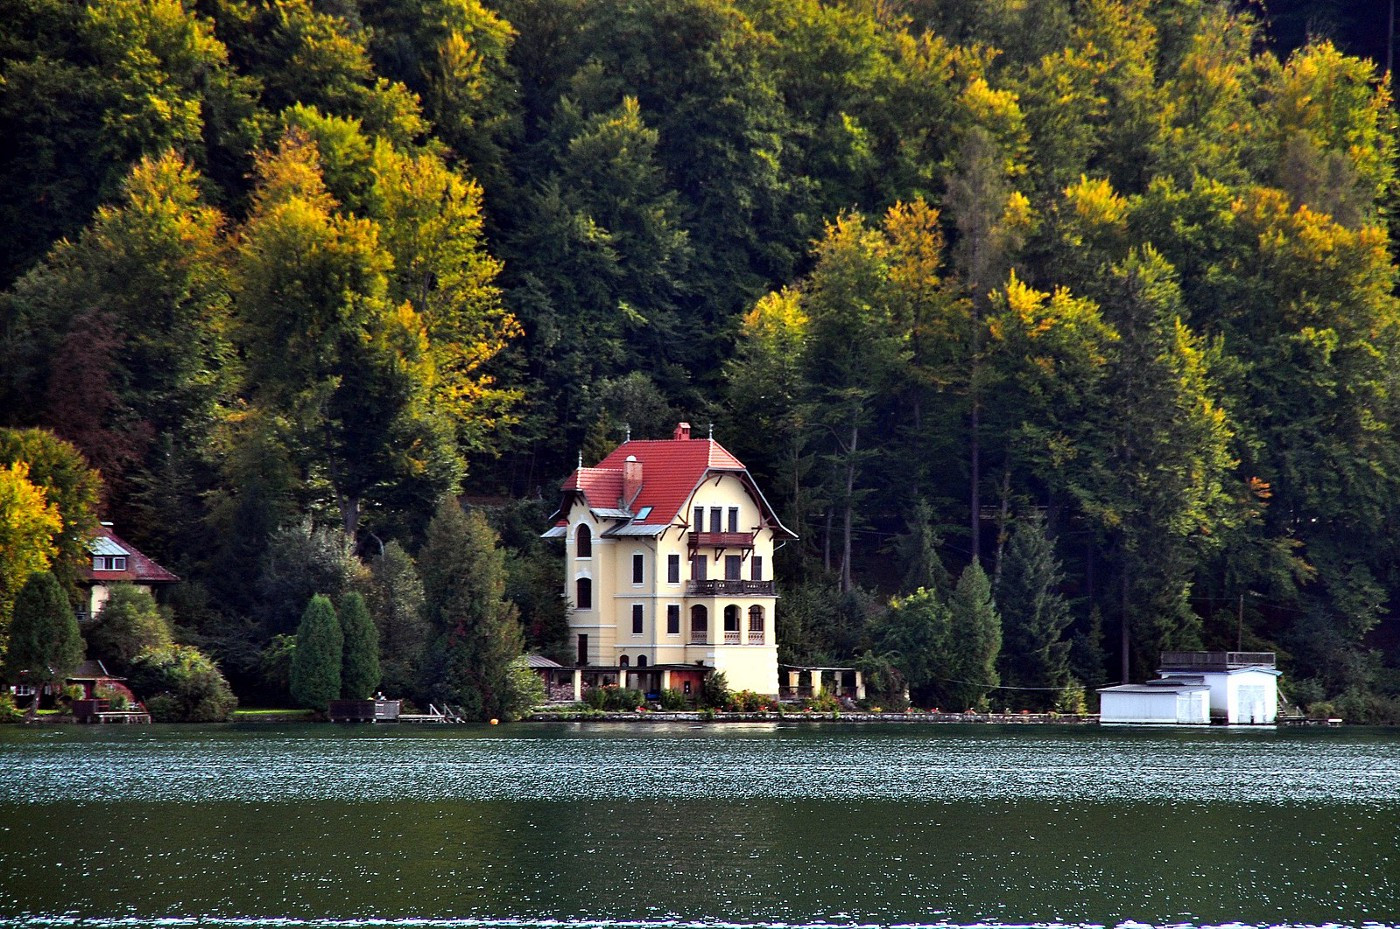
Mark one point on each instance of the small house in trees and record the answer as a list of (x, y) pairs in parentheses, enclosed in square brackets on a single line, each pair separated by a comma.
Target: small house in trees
[(668, 550), (115, 561)]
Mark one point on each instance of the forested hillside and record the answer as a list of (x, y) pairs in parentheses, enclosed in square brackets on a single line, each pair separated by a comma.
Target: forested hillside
[(1098, 294)]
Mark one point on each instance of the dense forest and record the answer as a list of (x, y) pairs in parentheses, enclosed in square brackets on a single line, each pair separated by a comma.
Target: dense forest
[(1090, 303)]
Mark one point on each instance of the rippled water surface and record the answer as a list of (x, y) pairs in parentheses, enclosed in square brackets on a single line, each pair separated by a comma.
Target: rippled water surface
[(633, 827)]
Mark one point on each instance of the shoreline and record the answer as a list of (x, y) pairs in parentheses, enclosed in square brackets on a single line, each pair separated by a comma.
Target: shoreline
[(700, 716)]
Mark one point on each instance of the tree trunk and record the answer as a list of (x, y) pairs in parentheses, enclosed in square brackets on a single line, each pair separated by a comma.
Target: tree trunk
[(1003, 520), (846, 519)]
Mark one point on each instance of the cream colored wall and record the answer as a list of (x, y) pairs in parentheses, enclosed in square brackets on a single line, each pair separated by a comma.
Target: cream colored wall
[(608, 624)]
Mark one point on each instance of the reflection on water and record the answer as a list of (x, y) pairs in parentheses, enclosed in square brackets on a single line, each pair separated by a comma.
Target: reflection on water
[(698, 827)]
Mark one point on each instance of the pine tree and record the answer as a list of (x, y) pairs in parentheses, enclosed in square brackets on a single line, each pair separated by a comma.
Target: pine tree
[(1034, 614), (974, 639), (45, 644), (316, 662), (464, 582), (359, 668)]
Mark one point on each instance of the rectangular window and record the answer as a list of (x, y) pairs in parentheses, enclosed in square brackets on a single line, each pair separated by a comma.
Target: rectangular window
[(699, 568), (716, 519), (733, 564), (673, 569), (637, 619), (673, 619), (638, 568), (756, 568), (699, 525), (733, 519), (119, 563)]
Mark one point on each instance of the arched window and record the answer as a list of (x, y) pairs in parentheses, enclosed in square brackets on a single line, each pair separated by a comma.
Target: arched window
[(584, 542), (731, 624), (583, 599), (699, 624), (623, 662), (641, 661), (756, 631), (755, 619)]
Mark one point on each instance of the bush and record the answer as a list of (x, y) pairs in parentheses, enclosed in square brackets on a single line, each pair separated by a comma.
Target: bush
[(182, 684), (714, 693), (672, 699), (824, 702), (525, 689), (1072, 699), (130, 623), (115, 698), (623, 698), (746, 701), (595, 697), (9, 713)]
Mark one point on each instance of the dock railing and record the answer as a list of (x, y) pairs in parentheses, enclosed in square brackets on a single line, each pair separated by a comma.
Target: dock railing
[(1216, 661)]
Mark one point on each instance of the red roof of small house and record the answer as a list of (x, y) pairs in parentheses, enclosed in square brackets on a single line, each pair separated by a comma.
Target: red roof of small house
[(139, 569), (672, 469)]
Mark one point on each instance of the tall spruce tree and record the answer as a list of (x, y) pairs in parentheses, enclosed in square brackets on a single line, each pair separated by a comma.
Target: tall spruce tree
[(478, 634), (317, 659), (1034, 614), (359, 667), (974, 639)]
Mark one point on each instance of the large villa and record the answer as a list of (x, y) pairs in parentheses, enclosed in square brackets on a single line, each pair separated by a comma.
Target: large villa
[(668, 548)]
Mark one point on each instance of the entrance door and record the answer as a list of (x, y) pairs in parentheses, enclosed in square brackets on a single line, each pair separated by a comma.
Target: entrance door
[(582, 648)]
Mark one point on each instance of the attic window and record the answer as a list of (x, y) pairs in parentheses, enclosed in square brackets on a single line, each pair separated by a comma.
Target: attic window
[(643, 513), (109, 563)]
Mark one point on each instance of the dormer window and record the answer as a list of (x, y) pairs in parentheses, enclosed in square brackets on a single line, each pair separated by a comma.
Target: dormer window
[(109, 563)]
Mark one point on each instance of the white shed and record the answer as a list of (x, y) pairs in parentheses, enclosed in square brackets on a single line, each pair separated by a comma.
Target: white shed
[(1180, 702), (1243, 685)]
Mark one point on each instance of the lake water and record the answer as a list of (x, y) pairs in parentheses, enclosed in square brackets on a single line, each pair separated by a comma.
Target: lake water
[(731, 827)]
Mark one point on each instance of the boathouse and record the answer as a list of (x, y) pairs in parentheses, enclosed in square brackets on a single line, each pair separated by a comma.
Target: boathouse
[(1196, 688)]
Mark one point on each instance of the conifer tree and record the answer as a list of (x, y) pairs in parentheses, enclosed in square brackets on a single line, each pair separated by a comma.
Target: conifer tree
[(359, 668), (974, 639), (317, 659), (45, 644), (1034, 613), (478, 633)]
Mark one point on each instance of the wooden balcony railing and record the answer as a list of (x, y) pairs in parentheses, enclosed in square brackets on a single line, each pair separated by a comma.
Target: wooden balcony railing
[(732, 589), (721, 540)]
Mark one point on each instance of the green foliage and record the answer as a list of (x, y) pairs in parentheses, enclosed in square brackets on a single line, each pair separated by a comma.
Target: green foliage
[(672, 699), (524, 690), (29, 525), (45, 645), (974, 640), (714, 692), (301, 561), (359, 670), (180, 684), (395, 598), (9, 713), (130, 623), (913, 636), (1034, 613), (275, 665), (316, 663), (478, 634)]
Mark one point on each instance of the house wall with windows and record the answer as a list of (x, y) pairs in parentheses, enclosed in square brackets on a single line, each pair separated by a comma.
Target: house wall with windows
[(669, 559)]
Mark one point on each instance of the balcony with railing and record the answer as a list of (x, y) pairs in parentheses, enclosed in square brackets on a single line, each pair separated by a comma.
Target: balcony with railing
[(721, 539), (1215, 661), (731, 637), (699, 637), (732, 588)]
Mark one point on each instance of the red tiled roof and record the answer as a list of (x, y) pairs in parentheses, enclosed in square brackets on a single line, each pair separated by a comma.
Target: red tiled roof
[(139, 568), (601, 487), (671, 470)]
